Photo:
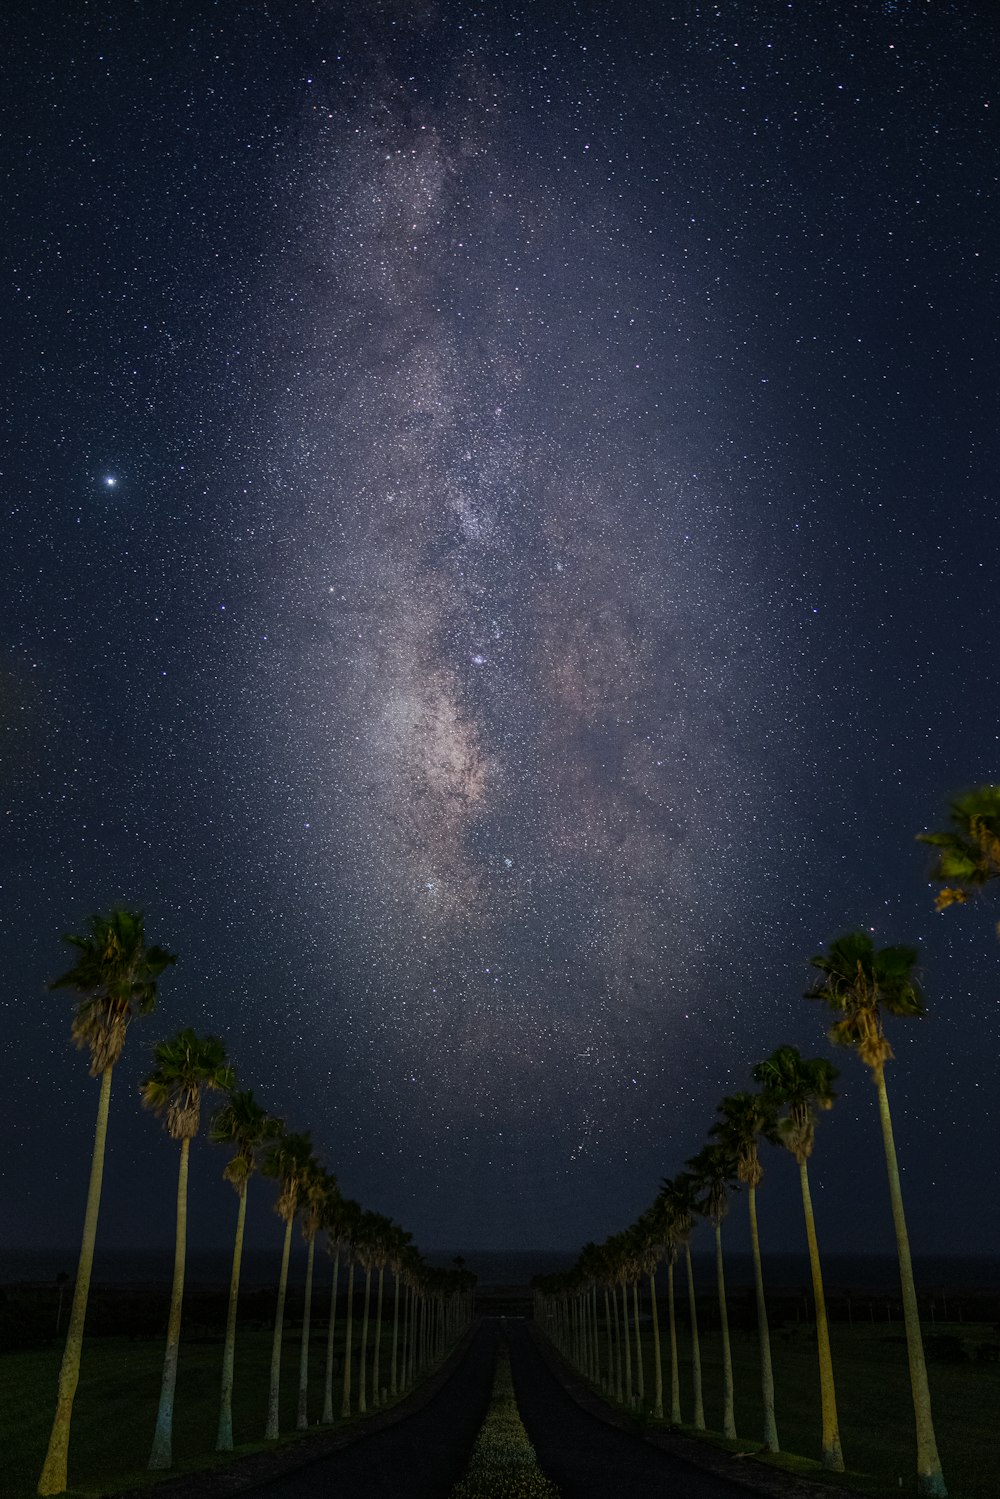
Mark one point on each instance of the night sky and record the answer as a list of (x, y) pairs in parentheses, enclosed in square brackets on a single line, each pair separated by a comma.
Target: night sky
[(500, 558)]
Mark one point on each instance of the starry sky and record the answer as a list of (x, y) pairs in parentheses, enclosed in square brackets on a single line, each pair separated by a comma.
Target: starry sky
[(500, 559)]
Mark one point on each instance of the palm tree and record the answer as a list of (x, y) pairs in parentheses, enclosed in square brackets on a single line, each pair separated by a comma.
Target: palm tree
[(591, 1267), (969, 851), (745, 1118), (288, 1161), (350, 1231), (665, 1229), (646, 1253), (115, 973), (682, 1202), (366, 1249), (244, 1125), (341, 1214), (400, 1241), (382, 1246), (858, 983), (714, 1171), (411, 1269), (801, 1087), (315, 1205), (620, 1274), (611, 1250), (635, 1258), (185, 1066)]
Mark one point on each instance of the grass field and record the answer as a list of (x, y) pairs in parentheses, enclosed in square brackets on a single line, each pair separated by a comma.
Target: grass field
[(873, 1399), (120, 1378), (117, 1399)]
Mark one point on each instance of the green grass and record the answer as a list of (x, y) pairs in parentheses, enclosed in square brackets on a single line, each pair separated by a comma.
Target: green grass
[(116, 1402), (873, 1399)]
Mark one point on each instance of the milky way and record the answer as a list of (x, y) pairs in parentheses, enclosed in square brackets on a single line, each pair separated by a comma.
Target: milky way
[(521, 712)]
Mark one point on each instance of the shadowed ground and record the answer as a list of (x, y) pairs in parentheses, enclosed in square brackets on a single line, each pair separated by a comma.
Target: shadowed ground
[(585, 1457), (421, 1457)]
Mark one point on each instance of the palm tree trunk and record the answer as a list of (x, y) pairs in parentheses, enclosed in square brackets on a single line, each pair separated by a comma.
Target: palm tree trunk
[(393, 1369), (272, 1427), (627, 1339), (161, 1455), (930, 1479), (414, 1335), (363, 1363), (728, 1409), (53, 1475), (832, 1456), (675, 1378), (640, 1373), (618, 1381), (302, 1413), (611, 1343), (407, 1336), (595, 1335), (328, 1379), (763, 1336), (699, 1406), (345, 1404), (657, 1354), (376, 1360), (224, 1439)]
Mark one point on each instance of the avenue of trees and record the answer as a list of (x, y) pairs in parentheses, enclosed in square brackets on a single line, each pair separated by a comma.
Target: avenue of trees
[(115, 977), (592, 1310)]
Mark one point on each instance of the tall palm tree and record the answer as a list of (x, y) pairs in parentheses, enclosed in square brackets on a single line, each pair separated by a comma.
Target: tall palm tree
[(350, 1232), (645, 1255), (682, 1200), (858, 983), (969, 851), (620, 1275), (288, 1161), (242, 1124), (411, 1270), (668, 1238), (635, 1259), (314, 1207), (396, 1259), (714, 1171), (382, 1247), (801, 1087), (115, 974), (745, 1118), (341, 1214), (591, 1265), (366, 1248), (186, 1065)]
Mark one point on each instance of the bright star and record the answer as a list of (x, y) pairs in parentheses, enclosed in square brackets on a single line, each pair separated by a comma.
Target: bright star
[(110, 481)]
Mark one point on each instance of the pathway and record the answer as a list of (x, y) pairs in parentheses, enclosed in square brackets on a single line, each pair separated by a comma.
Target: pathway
[(420, 1457), (591, 1460)]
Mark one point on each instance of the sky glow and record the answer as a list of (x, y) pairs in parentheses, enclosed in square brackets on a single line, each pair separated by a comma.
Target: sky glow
[(555, 579)]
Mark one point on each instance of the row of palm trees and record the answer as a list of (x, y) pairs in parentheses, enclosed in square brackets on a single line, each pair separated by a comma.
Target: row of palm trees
[(860, 985), (116, 975)]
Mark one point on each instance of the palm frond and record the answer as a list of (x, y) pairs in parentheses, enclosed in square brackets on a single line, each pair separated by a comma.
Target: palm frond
[(186, 1065), (116, 974)]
